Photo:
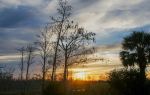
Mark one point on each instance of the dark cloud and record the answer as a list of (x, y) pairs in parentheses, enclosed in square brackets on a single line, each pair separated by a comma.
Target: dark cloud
[(117, 35), (26, 16), (21, 16), (83, 4), (112, 38), (13, 38), (116, 14), (137, 14), (88, 1)]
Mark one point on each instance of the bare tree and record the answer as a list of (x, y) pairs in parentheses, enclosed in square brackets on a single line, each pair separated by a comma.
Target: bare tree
[(21, 65), (44, 47), (6, 72), (30, 55), (70, 39), (64, 12), (74, 43)]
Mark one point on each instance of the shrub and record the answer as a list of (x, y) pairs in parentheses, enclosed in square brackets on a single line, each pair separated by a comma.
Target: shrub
[(125, 82), (54, 88)]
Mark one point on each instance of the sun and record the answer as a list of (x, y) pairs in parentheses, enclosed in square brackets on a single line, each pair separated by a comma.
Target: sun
[(79, 76)]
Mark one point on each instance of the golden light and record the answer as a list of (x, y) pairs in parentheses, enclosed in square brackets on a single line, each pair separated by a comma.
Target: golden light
[(79, 76)]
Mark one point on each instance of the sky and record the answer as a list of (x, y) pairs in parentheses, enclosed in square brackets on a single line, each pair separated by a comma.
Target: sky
[(111, 20)]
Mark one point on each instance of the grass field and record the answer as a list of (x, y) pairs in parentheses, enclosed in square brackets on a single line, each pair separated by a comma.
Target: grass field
[(58, 88), (53, 88)]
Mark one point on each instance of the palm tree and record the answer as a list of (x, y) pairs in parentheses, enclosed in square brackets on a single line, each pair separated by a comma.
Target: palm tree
[(136, 50)]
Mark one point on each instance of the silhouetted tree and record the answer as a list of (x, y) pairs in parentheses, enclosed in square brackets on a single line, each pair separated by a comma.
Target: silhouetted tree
[(6, 72), (22, 51), (125, 82), (21, 65), (137, 51), (30, 55), (64, 11), (69, 37), (44, 47), (73, 43)]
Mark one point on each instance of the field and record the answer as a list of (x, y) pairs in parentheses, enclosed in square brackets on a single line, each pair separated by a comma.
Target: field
[(33, 87), (80, 88), (73, 88)]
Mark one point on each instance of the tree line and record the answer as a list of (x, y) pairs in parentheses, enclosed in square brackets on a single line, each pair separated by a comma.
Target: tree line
[(62, 42)]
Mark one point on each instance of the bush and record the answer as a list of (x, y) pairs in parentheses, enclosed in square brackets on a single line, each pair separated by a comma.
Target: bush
[(125, 82), (54, 88)]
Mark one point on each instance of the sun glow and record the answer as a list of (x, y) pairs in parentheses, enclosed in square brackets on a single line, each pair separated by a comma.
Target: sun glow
[(79, 76)]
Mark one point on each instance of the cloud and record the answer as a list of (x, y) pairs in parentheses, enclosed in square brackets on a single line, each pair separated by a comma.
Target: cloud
[(111, 20), (117, 15), (13, 38), (8, 3), (21, 16), (16, 3), (9, 58)]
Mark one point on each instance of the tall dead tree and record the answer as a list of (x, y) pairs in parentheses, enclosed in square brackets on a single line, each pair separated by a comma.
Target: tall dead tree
[(30, 55), (69, 37), (74, 43), (21, 65), (44, 47), (64, 11)]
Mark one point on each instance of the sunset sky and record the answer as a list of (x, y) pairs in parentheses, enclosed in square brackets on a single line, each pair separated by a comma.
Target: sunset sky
[(111, 20)]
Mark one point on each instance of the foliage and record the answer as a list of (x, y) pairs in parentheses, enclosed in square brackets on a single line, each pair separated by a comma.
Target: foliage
[(125, 82), (136, 46), (136, 51), (54, 88), (5, 75)]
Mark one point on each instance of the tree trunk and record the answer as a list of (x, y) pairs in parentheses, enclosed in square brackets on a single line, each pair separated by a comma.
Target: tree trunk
[(55, 57), (54, 63), (22, 65), (142, 80), (27, 72), (43, 78), (66, 66), (54, 67), (142, 65), (65, 70), (142, 73), (27, 77), (28, 65)]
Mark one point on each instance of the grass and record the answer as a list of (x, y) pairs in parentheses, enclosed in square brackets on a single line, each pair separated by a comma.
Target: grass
[(56, 88), (60, 88), (79, 88)]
